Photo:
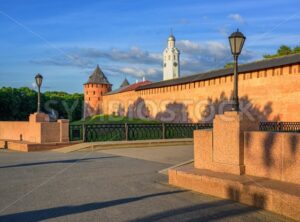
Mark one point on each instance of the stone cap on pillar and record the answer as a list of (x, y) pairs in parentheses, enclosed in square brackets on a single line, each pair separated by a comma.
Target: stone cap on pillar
[(246, 121), (63, 121), (39, 117)]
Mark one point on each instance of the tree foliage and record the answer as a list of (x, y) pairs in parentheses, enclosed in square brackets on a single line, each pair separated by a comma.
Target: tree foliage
[(18, 104), (283, 51), (229, 65)]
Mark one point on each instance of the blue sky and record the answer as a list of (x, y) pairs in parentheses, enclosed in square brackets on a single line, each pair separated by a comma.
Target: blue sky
[(65, 40)]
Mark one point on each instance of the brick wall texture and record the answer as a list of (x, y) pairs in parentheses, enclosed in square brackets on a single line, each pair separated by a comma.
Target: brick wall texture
[(271, 94)]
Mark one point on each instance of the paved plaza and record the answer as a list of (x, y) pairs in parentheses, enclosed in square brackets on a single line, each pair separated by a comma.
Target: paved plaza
[(109, 185)]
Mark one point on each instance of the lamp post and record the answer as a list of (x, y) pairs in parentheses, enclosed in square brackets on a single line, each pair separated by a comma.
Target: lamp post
[(39, 80), (236, 40)]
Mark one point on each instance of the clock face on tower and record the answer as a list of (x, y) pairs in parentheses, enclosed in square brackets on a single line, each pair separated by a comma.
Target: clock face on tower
[(175, 64)]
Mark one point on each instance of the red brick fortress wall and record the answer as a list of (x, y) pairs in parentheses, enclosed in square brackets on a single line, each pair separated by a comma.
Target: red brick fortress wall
[(270, 94)]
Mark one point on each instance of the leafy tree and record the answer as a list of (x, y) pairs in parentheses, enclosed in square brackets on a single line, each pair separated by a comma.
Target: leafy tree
[(28, 100), (18, 104), (297, 49), (229, 65), (283, 51), (64, 105)]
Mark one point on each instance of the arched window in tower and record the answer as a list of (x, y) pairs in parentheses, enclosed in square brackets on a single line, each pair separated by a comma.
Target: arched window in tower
[(174, 57), (89, 98), (94, 92)]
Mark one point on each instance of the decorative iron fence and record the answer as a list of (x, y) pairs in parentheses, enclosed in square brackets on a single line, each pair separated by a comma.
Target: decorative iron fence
[(104, 132), (183, 130), (280, 126), (76, 132), (145, 131), (117, 132)]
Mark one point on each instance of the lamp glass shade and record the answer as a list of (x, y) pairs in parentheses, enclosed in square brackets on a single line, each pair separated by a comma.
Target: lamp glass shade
[(236, 40), (39, 79)]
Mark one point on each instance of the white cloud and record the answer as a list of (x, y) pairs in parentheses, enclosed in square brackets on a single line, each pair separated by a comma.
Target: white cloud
[(134, 61), (63, 61), (141, 72), (153, 73), (133, 55), (198, 57), (188, 45), (211, 49), (224, 31), (237, 17)]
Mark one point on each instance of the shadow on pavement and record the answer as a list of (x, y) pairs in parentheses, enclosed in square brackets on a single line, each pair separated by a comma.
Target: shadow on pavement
[(56, 161), (212, 211), (40, 215)]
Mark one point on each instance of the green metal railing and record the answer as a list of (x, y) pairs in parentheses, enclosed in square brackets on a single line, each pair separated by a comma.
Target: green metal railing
[(145, 131), (104, 132), (76, 132), (280, 126), (137, 131)]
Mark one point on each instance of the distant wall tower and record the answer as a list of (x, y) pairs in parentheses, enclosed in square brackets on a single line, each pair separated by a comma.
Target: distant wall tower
[(94, 89), (171, 60)]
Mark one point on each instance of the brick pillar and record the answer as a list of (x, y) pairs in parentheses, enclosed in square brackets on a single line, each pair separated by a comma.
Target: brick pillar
[(64, 130), (228, 142), (35, 127)]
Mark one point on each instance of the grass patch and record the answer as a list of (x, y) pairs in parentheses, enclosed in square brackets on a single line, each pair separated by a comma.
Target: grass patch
[(108, 119)]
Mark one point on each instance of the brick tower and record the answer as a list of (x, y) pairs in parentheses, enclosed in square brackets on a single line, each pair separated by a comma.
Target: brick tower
[(94, 89)]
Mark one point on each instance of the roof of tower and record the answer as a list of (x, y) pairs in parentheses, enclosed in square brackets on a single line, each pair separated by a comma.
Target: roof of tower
[(171, 38), (124, 83), (98, 77)]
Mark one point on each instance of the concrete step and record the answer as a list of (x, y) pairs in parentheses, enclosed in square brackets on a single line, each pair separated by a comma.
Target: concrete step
[(276, 196), (166, 170), (124, 144), (25, 146)]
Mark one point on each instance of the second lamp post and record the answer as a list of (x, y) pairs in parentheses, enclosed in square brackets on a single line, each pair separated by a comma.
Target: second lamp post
[(236, 40), (39, 80)]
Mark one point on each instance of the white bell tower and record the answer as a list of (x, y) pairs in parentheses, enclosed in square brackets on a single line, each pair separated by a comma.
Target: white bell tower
[(171, 60)]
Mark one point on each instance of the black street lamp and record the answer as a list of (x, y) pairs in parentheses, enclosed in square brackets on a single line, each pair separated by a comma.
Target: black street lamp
[(39, 80), (236, 40)]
